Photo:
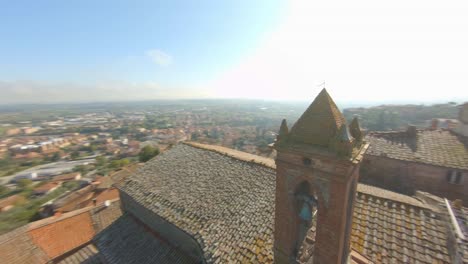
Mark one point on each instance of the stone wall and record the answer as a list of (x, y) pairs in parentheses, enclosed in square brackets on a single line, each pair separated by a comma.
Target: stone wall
[(407, 177)]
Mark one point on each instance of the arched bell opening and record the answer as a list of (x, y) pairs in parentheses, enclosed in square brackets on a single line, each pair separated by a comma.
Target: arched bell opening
[(306, 205)]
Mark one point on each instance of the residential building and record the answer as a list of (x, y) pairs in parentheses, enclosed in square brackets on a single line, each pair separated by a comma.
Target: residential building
[(46, 188), (432, 160), (197, 203)]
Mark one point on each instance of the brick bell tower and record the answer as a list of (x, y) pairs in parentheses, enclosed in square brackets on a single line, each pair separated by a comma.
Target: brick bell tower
[(317, 169)]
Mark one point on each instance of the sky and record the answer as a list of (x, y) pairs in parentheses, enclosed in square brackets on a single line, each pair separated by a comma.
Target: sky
[(361, 51)]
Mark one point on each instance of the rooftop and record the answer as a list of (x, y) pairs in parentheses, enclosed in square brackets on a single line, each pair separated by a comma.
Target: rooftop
[(57, 238), (225, 200), (128, 241), (435, 147)]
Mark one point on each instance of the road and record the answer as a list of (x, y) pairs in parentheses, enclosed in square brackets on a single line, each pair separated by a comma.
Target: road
[(53, 168)]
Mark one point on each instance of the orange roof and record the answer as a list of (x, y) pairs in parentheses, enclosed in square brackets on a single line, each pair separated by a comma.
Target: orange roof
[(68, 176), (46, 187), (11, 200), (108, 194), (59, 237)]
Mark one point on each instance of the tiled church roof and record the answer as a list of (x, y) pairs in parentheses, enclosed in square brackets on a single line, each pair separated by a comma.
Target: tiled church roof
[(86, 255), (436, 147), (227, 205), (127, 241)]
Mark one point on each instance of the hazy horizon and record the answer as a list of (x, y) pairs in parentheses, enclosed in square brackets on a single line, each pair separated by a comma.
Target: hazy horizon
[(367, 52)]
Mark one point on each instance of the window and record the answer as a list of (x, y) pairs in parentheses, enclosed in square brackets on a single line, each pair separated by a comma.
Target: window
[(454, 177)]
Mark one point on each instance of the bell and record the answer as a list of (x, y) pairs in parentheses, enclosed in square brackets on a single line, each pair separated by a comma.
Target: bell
[(305, 213)]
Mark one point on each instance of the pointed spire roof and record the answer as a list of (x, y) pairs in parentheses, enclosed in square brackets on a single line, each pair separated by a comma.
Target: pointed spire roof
[(355, 129), (344, 135), (284, 128), (319, 123)]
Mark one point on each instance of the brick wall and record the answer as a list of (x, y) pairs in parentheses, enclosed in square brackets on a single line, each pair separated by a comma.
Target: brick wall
[(407, 177), (330, 181)]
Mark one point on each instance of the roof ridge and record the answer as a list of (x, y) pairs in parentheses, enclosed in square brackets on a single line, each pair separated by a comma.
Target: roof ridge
[(53, 219), (233, 153), (391, 196)]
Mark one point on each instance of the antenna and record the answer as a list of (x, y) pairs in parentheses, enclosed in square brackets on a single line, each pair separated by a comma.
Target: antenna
[(322, 85)]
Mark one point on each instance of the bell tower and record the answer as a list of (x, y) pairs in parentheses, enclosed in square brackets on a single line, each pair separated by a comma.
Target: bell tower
[(317, 169)]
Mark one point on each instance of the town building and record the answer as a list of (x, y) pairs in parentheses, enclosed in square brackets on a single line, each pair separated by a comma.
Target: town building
[(198, 203), (46, 188), (10, 202), (433, 160), (74, 176)]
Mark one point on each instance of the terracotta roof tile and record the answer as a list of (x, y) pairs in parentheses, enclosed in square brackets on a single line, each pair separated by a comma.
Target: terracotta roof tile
[(85, 255), (62, 236), (58, 237), (127, 241), (384, 229), (66, 177), (436, 147), (104, 216), (16, 247), (47, 187), (227, 205), (102, 196), (209, 195)]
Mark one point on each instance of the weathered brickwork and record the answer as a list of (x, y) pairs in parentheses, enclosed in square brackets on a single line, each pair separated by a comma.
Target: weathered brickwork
[(406, 162), (407, 177), (331, 181)]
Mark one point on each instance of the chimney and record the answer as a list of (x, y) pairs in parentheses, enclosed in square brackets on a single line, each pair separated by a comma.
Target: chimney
[(434, 123), (411, 131)]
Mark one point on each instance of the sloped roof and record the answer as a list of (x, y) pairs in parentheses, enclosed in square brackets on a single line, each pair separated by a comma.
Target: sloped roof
[(58, 237), (391, 232), (62, 236), (435, 147), (319, 123), (85, 255), (17, 247), (227, 205), (127, 241)]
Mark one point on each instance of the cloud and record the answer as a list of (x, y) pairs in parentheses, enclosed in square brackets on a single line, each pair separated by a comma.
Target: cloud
[(159, 57), (58, 92)]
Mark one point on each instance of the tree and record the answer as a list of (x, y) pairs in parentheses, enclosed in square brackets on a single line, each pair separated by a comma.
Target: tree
[(55, 157), (147, 153), (74, 155), (124, 162), (116, 164), (81, 169), (101, 161), (23, 183), (3, 190)]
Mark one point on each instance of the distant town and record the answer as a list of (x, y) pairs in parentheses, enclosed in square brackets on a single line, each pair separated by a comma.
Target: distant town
[(58, 158)]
